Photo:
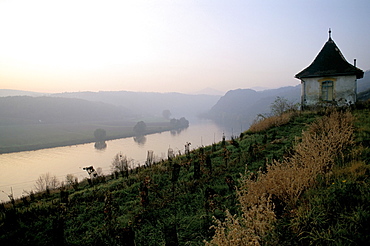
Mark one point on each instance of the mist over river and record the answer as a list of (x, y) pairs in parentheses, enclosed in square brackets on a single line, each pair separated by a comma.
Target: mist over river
[(19, 171)]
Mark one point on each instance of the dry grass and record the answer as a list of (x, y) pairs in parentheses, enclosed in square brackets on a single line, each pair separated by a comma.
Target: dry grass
[(250, 229), (264, 124), (320, 146)]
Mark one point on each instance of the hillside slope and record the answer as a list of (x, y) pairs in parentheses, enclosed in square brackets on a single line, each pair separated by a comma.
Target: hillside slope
[(174, 202)]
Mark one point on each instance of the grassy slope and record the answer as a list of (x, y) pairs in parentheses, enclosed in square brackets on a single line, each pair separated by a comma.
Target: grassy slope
[(183, 209)]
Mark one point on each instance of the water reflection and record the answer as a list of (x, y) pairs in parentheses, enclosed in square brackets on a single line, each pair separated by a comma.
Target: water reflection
[(100, 145), (140, 140), (177, 131)]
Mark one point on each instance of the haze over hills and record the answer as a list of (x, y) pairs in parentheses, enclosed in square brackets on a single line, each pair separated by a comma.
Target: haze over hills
[(39, 121), (239, 106), (8, 93), (363, 87), (209, 91), (151, 103), (137, 103), (50, 110)]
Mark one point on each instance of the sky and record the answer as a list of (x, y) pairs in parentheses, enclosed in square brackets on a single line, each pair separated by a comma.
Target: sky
[(172, 46)]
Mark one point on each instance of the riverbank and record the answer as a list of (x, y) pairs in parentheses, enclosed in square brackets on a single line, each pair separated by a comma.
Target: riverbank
[(20, 170), (17, 138)]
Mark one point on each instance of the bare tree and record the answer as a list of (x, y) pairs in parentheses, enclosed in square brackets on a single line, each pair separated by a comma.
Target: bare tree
[(281, 105), (46, 181), (71, 179), (121, 164)]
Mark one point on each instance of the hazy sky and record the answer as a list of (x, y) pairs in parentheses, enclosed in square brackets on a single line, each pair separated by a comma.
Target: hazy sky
[(163, 46)]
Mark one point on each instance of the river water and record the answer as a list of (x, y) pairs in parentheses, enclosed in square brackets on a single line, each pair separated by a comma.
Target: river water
[(19, 171)]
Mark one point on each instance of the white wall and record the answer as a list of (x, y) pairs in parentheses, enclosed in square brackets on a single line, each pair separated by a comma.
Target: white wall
[(344, 89)]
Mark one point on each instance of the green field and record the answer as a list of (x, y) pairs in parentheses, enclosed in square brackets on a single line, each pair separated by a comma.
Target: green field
[(15, 138)]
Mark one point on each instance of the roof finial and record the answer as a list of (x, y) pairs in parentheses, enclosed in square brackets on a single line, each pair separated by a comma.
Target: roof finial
[(329, 34)]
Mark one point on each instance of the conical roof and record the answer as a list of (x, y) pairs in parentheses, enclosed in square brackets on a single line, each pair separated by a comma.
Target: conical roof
[(330, 62)]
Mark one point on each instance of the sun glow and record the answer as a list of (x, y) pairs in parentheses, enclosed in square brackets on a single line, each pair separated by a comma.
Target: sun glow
[(75, 34), (162, 45)]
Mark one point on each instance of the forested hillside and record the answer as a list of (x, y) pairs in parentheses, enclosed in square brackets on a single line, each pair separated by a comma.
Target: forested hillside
[(295, 178)]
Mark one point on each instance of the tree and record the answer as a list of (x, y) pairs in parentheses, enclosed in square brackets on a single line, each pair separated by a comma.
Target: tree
[(179, 123), (121, 164), (140, 128), (166, 114), (281, 105), (71, 179), (100, 135), (46, 181), (184, 122), (174, 122)]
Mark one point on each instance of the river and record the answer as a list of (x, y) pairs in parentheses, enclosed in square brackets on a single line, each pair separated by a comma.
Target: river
[(19, 171)]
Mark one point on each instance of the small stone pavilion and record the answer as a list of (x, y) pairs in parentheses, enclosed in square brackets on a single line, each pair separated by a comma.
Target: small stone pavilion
[(329, 78)]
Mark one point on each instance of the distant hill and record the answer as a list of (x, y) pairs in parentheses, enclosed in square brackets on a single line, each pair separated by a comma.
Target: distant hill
[(209, 91), (240, 107), (363, 87), (7, 93), (364, 83), (141, 103), (151, 103), (363, 96), (39, 110)]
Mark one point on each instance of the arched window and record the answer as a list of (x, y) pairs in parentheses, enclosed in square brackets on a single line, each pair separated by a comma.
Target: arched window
[(327, 90)]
